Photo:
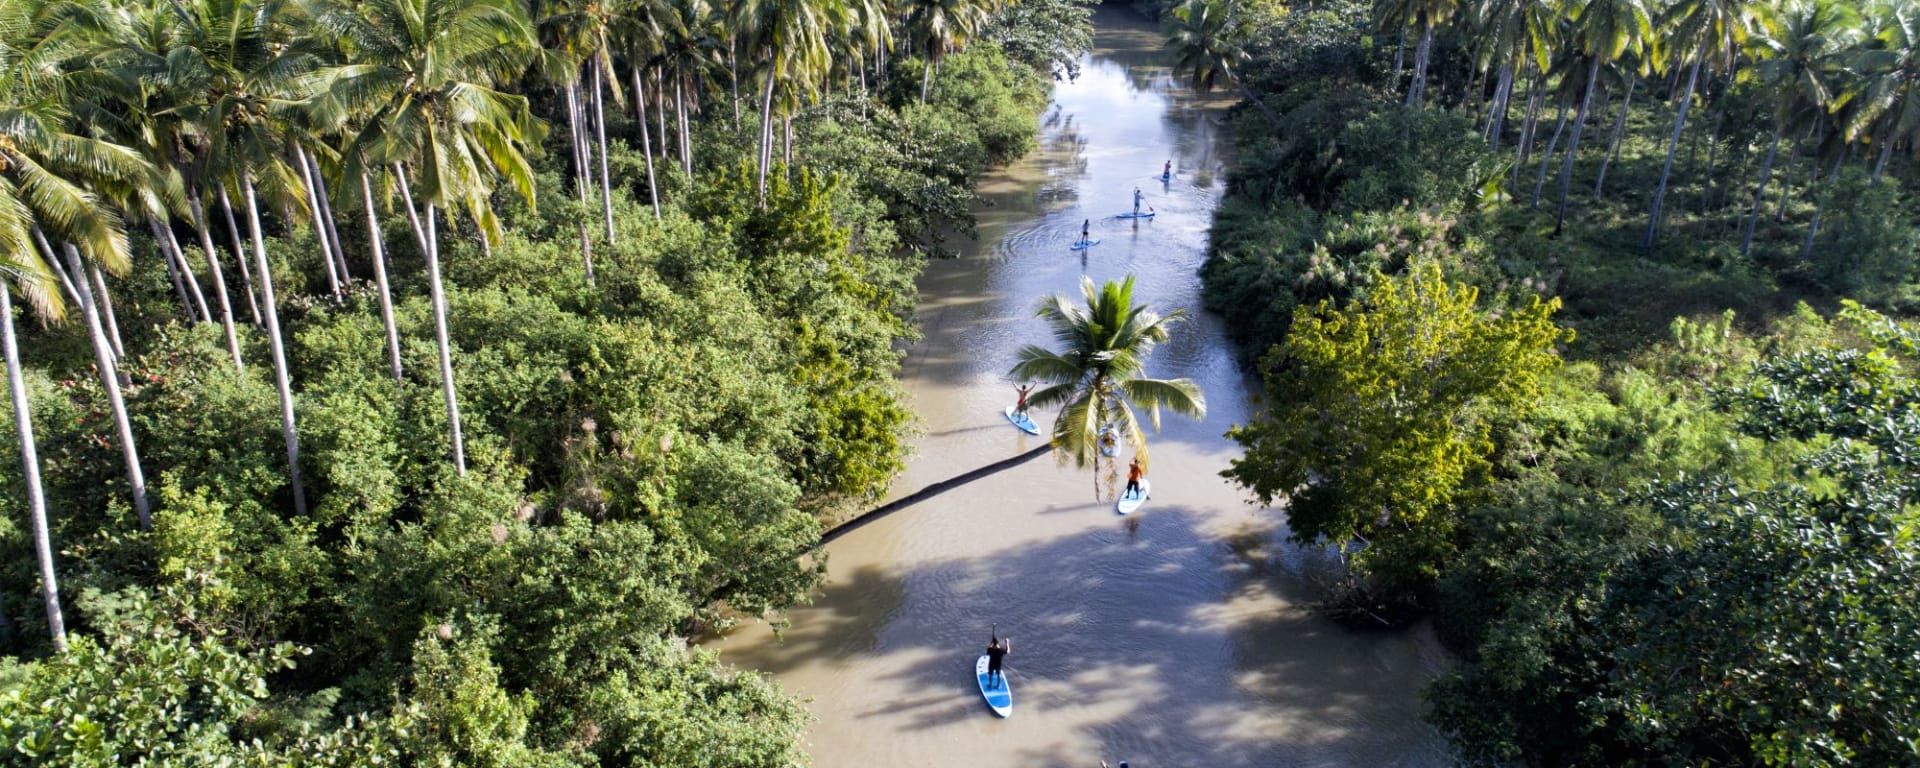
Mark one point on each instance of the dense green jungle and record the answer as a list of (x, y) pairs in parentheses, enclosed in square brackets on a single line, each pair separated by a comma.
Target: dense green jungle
[(366, 354), (405, 381), (1586, 330)]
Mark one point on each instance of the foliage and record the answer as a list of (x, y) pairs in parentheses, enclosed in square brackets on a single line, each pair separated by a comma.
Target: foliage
[(1382, 413), (1097, 376), (1046, 35), (1727, 616)]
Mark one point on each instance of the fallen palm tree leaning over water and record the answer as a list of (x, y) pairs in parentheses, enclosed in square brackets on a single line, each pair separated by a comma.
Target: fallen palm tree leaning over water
[(931, 491)]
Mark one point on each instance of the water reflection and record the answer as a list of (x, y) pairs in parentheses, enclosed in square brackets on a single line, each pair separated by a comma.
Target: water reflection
[(1179, 635)]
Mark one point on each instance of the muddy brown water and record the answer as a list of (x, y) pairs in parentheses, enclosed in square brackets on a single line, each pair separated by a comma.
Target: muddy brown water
[(1180, 636)]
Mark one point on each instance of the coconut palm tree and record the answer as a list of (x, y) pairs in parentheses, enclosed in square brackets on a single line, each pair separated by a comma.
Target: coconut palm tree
[(46, 175), (1603, 30), (1208, 39), (422, 82), (1702, 33), (792, 38), (1797, 64), (1887, 99), (1097, 376), (22, 269), (1426, 16), (940, 27)]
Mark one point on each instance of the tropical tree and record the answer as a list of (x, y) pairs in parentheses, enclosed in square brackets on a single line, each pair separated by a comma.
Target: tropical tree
[(1887, 97), (422, 82), (1796, 63), (944, 26), (1603, 30), (1098, 374), (793, 39), (1208, 39), (1381, 412), (1426, 16), (45, 174), (1701, 33)]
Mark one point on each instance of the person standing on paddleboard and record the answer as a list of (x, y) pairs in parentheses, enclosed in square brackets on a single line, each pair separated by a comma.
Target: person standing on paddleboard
[(1020, 407), (1134, 473), (997, 649), (1167, 172), (1137, 194), (1086, 231)]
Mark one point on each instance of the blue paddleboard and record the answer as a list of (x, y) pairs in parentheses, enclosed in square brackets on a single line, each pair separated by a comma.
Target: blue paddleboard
[(1081, 245), (1130, 502), (999, 693), (1021, 420), (1147, 215)]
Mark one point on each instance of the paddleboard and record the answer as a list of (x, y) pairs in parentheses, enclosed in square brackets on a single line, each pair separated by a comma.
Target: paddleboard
[(1021, 420), (999, 693), (1166, 177), (1128, 504), (1082, 245), (1147, 215)]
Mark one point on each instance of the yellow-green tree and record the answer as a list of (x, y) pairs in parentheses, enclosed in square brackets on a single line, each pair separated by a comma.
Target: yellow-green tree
[(1381, 412)]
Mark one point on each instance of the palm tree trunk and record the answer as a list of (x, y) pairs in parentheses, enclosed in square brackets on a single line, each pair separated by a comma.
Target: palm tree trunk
[(733, 71), (1417, 91), (646, 142), (170, 247), (106, 307), (786, 144), (439, 298), (1760, 193), (1613, 144), (240, 254), (319, 223), (1399, 56), (274, 342), (1679, 124), (600, 130), (1536, 97), (926, 79), (1880, 165), (1540, 184), (413, 211), (580, 177), (30, 460), (219, 279), (1573, 147), (685, 128), (59, 272), (380, 275), (1820, 208), (110, 380), (1786, 178), (766, 134), (333, 230), (173, 276), (1502, 94), (660, 103)]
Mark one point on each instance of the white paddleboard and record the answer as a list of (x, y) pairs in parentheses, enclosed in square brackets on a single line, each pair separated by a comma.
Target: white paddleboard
[(999, 693), (1128, 503), (1021, 420), (1081, 245)]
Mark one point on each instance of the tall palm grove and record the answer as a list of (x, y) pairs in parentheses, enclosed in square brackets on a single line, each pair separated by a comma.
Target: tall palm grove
[(404, 381)]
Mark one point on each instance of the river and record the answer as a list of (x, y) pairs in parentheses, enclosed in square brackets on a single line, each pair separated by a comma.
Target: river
[(1180, 636)]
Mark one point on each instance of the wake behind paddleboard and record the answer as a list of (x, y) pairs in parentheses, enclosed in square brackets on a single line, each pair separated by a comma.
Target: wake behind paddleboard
[(1021, 420), (1130, 502), (1081, 245), (999, 693)]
